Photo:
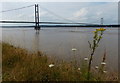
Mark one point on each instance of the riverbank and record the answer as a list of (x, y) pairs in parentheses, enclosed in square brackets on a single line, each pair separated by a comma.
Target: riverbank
[(19, 65)]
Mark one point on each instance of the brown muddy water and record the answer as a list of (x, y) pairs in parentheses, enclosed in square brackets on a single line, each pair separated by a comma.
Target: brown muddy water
[(58, 42)]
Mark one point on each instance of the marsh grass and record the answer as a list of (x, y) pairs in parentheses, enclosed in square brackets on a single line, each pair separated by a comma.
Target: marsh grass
[(19, 65)]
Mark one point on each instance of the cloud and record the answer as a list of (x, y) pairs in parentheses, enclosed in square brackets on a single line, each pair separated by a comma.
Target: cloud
[(93, 13), (99, 13), (82, 12), (79, 15)]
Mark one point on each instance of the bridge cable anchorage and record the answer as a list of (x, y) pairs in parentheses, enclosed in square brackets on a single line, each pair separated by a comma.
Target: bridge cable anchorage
[(16, 8)]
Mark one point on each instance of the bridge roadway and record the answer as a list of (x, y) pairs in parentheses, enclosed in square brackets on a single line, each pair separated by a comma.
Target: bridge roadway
[(60, 24), (45, 22)]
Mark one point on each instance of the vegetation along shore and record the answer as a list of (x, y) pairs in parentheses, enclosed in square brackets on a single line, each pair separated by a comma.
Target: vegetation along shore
[(19, 65)]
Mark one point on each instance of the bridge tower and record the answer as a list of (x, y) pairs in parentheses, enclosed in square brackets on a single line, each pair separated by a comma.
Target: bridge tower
[(37, 27), (101, 21)]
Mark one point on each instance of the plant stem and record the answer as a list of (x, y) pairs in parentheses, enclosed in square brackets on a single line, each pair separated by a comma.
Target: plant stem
[(89, 66)]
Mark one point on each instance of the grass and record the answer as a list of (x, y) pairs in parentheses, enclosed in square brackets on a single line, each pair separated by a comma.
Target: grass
[(19, 65)]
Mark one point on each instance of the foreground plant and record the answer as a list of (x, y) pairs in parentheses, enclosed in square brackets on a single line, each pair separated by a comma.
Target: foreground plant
[(75, 62), (96, 39), (103, 63)]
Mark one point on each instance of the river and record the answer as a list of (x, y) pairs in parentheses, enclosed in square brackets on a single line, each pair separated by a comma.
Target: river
[(58, 42)]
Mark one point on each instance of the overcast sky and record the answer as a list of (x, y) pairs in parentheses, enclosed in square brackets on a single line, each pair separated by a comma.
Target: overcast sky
[(89, 12)]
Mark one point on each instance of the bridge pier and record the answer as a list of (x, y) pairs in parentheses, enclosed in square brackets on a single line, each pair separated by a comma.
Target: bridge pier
[(37, 27)]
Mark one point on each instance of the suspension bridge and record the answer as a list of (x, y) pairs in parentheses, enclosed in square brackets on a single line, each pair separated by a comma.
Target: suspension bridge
[(38, 24)]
